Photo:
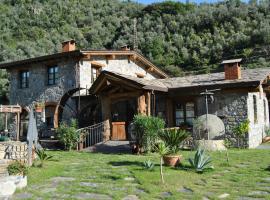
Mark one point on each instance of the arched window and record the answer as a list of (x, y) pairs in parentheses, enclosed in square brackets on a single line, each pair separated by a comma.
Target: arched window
[(255, 109)]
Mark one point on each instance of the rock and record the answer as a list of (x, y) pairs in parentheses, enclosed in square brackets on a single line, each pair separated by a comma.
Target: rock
[(185, 190), (89, 184), (129, 179), (223, 196), (20, 182), (23, 196), (131, 197), (258, 192), (92, 196), (166, 194), (7, 188), (62, 179)]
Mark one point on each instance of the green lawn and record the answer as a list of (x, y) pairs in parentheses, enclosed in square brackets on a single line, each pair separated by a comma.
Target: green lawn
[(118, 176)]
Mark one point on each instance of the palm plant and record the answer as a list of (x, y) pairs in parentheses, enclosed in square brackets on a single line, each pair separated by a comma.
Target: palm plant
[(201, 161), (162, 150), (43, 156), (172, 138)]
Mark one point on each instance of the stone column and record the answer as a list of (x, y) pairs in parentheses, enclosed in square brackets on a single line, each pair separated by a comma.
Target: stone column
[(106, 117)]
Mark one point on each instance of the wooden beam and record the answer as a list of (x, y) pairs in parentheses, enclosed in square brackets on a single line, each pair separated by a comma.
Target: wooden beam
[(106, 116), (125, 94), (141, 105), (148, 103), (169, 112)]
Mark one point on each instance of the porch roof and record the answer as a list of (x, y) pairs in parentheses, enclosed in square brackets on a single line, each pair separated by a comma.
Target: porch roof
[(140, 83)]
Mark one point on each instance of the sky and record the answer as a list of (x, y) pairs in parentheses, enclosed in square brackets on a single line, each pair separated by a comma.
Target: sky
[(194, 1)]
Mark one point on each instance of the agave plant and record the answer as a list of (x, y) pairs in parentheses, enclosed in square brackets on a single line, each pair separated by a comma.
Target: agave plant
[(43, 156), (201, 161), (149, 165)]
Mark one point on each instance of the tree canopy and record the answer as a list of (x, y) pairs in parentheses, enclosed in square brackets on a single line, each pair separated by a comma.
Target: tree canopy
[(175, 36)]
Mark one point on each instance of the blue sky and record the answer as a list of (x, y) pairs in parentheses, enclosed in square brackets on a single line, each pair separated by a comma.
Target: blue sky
[(195, 1)]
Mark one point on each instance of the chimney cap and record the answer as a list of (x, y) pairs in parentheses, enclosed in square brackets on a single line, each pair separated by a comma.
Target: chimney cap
[(125, 47), (238, 60), (69, 41)]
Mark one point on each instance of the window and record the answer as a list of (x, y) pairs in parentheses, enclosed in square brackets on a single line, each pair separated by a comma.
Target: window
[(255, 109), (24, 79), (264, 109), (53, 75), (95, 72), (184, 113)]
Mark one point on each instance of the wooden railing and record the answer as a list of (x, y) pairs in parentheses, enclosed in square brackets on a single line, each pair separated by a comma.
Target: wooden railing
[(91, 135)]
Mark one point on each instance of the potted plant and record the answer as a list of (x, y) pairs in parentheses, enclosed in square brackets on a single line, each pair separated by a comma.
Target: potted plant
[(40, 106), (173, 137)]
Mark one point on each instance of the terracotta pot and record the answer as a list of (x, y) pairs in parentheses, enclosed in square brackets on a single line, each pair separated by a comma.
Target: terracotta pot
[(38, 109), (172, 160), (266, 139)]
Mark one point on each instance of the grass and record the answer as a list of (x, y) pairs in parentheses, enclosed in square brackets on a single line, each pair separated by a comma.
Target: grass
[(245, 173)]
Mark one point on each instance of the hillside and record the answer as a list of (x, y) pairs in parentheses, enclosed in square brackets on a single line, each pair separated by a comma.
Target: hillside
[(177, 37)]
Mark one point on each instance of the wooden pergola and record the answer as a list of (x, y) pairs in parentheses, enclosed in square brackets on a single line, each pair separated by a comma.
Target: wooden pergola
[(15, 109)]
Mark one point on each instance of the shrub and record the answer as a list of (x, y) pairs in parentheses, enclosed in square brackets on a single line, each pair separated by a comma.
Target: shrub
[(146, 130), (43, 156), (16, 168), (173, 137), (4, 138), (201, 161), (148, 165), (267, 131), (241, 130), (68, 135)]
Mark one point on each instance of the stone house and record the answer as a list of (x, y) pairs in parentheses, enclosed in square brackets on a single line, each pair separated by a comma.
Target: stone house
[(112, 86)]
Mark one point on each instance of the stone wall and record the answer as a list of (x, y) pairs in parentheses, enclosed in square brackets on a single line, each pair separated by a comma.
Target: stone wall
[(257, 126), (120, 65), (234, 108), (230, 107), (39, 90)]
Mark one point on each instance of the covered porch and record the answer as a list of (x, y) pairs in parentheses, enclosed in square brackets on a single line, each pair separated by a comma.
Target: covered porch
[(121, 98)]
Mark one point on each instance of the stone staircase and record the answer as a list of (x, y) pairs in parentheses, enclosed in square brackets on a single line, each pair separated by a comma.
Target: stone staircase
[(3, 167)]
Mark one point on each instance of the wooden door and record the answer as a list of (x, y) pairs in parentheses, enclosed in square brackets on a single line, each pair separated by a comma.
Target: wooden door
[(119, 131)]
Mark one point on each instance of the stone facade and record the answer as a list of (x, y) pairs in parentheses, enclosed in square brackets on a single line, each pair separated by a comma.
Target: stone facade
[(234, 108)]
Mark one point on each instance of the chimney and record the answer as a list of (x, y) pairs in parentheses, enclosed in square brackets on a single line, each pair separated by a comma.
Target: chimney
[(69, 45), (125, 48), (232, 69)]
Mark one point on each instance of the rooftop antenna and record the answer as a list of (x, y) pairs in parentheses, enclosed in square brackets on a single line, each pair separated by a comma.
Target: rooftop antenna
[(208, 94), (135, 40)]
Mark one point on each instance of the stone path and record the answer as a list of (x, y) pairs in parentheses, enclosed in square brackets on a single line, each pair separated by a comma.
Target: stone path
[(113, 147), (264, 146)]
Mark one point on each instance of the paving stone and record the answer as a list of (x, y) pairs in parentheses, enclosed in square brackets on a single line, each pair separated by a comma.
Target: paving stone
[(92, 196), (129, 179), (223, 196), (249, 198), (88, 184), (166, 194), (131, 197), (48, 190), (23, 195), (185, 190), (140, 191), (267, 179), (258, 192), (119, 189), (62, 179)]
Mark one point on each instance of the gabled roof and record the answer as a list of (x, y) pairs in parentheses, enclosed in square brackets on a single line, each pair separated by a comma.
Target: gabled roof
[(70, 54), (250, 78), (106, 77), (135, 56)]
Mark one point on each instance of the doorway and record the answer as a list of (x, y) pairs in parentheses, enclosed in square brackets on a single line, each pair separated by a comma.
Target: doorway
[(122, 116)]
